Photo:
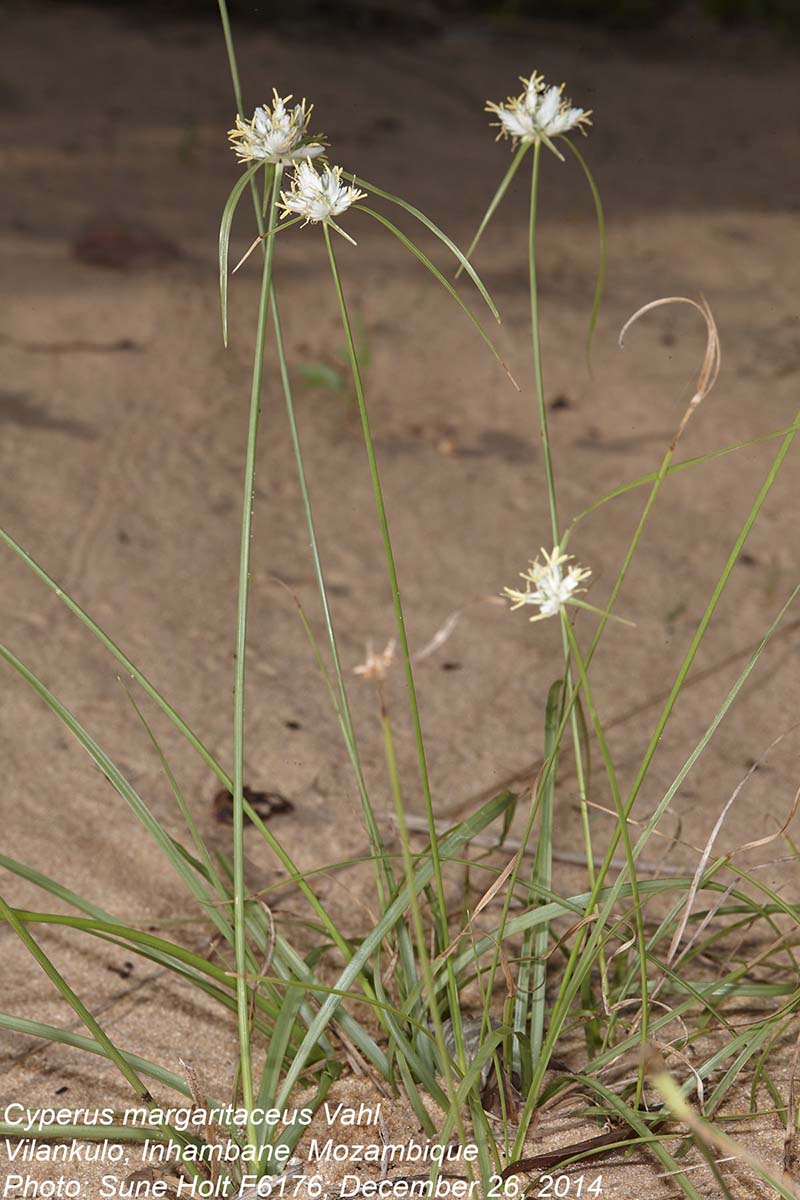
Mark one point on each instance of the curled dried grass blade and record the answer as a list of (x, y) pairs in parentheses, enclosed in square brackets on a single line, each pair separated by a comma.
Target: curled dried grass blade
[(772, 837), (712, 359)]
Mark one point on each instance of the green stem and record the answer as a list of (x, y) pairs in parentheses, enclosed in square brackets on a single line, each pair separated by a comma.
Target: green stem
[(239, 891), (537, 346), (234, 70), (393, 581), (554, 529), (383, 872), (542, 877), (440, 916)]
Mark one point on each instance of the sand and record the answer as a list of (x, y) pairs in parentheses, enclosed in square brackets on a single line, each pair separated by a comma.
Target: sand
[(123, 424)]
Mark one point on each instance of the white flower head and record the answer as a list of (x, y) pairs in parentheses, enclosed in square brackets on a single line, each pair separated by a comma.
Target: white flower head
[(552, 585), (319, 196), (376, 666), (539, 114), (276, 135)]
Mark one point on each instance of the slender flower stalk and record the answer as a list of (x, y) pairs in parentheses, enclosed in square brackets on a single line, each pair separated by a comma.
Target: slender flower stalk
[(542, 870), (544, 435), (239, 890), (391, 567), (534, 119), (440, 916), (537, 346)]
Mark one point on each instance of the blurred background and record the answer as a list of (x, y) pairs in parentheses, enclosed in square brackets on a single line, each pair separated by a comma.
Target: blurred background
[(782, 16)]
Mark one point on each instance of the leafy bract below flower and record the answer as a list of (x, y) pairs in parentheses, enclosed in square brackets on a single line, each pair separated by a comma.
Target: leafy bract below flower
[(319, 197), (276, 135), (552, 585), (539, 114)]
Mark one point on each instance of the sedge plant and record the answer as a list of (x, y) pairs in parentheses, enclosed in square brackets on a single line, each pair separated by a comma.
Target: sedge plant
[(627, 982)]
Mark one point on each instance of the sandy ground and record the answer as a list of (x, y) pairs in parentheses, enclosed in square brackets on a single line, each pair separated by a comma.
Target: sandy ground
[(123, 424)]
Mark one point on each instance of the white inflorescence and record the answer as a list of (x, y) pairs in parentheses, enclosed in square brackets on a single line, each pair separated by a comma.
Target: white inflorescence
[(539, 114), (275, 135), (318, 197), (552, 585)]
